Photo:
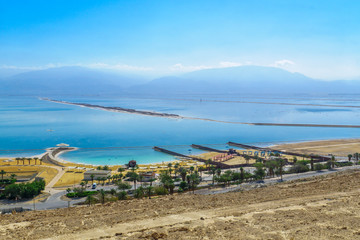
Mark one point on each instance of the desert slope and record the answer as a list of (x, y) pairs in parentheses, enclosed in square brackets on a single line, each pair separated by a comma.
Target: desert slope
[(316, 208)]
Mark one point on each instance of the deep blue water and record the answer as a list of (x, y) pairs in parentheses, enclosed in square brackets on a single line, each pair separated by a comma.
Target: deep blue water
[(115, 138)]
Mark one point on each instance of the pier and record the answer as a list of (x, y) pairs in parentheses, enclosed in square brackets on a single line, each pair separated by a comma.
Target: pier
[(217, 164), (207, 148), (316, 158)]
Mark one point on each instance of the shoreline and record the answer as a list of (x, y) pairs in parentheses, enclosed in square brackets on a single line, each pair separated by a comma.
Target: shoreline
[(175, 116), (316, 143)]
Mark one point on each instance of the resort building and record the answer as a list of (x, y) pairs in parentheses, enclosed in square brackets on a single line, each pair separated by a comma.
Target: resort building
[(147, 176)]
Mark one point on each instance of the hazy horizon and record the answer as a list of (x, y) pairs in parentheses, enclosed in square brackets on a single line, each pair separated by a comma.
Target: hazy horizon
[(318, 39)]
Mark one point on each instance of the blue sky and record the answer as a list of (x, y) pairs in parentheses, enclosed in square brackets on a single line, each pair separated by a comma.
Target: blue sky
[(320, 39)]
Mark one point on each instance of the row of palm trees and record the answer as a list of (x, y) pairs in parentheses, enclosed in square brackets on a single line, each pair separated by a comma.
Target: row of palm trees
[(18, 159), (355, 156), (2, 173)]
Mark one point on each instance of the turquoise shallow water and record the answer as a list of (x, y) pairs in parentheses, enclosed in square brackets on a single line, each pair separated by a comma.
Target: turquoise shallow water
[(115, 138)]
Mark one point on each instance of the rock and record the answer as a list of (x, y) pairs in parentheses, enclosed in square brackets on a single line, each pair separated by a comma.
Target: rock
[(202, 218)]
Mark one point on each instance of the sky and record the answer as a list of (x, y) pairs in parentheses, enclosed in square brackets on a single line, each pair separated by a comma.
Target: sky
[(320, 39)]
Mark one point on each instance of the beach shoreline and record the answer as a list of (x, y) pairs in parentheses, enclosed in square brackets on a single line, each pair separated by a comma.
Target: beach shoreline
[(308, 144)]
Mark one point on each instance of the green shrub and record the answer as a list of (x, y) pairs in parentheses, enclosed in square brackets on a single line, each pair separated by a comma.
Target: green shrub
[(139, 192), (183, 185), (319, 167), (160, 190), (123, 186), (5, 182), (122, 195), (299, 167), (343, 164), (24, 190), (81, 194)]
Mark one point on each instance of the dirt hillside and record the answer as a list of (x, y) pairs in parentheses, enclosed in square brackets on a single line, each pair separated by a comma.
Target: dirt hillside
[(316, 208)]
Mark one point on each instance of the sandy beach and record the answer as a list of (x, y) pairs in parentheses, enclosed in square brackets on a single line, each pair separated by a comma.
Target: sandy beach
[(74, 171)]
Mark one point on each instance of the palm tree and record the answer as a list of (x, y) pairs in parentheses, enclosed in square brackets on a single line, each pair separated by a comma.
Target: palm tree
[(312, 163), (176, 167), (350, 156), (109, 178), (133, 176), (2, 172), (92, 176), (183, 173), (247, 158), (41, 161), (281, 163), (213, 171), (141, 177), (98, 179), (270, 165), (13, 175), (169, 167), (194, 181), (218, 172), (149, 190), (120, 170), (242, 176), (17, 160), (89, 199), (23, 159), (29, 159), (332, 161), (207, 164), (102, 194), (82, 184), (36, 158), (356, 155), (191, 169)]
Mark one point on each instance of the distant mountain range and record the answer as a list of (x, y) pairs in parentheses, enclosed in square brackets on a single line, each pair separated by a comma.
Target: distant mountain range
[(243, 79), (67, 80)]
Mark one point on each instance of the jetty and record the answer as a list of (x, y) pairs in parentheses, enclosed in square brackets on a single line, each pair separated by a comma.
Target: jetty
[(207, 148), (317, 158), (51, 155), (163, 150), (225, 151), (217, 164)]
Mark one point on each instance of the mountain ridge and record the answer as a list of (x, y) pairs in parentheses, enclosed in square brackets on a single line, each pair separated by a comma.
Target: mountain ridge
[(232, 80)]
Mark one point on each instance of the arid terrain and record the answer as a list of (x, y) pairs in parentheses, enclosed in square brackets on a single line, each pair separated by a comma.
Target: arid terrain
[(326, 207)]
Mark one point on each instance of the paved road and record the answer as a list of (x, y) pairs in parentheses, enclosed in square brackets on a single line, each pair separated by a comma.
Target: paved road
[(54, 201), (287, 177)]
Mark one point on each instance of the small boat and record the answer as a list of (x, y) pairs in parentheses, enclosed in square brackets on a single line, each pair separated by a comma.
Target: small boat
[(50, 130)]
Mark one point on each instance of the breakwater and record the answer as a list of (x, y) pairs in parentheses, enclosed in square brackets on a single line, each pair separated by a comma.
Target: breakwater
[(176, 116)]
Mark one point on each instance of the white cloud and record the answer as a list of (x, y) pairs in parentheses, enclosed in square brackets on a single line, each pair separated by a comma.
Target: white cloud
[(120, 67), (282, 63), (50, 65), (182, 68)]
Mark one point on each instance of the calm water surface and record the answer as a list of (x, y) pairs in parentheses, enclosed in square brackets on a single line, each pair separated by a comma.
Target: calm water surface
[(115, 138)]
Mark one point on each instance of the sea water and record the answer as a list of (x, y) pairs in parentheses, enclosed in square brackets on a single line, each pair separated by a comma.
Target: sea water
[(29, 125)]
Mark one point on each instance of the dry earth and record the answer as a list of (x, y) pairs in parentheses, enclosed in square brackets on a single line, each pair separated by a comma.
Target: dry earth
[(338, 147), (315, 208)]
